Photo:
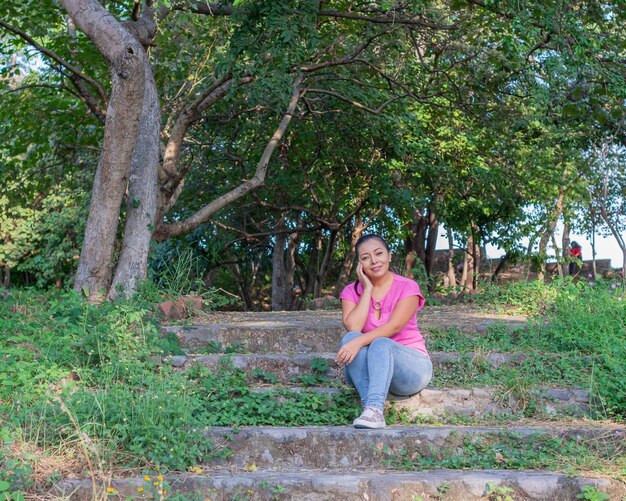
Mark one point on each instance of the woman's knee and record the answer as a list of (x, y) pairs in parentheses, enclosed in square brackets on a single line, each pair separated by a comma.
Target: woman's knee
[(382, 344), (349, 336)]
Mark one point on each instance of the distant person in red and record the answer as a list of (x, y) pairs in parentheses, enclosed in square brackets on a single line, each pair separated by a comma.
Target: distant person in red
[(575, 257)]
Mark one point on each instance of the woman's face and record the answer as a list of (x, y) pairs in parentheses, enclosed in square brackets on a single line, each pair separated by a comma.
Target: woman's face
[(374, 258)]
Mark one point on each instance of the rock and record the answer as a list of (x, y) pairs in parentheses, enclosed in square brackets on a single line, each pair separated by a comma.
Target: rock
[(326, 302), (182, 308)]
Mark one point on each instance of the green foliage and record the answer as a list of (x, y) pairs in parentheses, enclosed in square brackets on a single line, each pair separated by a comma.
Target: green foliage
[(14, 472), (511, 451), (578, 318), (499, 492), (264, 376), (527, 298), (317, 376), (229, 401), (590, 493), (178, 271), (75, 373), (44, 240)]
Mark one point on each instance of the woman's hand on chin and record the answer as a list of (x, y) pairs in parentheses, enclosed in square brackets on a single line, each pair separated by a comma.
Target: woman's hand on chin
[(363, 278)]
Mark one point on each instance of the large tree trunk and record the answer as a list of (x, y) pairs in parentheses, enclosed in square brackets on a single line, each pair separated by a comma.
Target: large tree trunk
[(476, 256), (141, 205), (282, 270), (431, 243), (553, 218), (311, 272), (127, 59), (468, 267), (565, 246), (594, 268), (320, 277), (416, 243), (6, 279), (557, 254), (451, 270), (499, 268)]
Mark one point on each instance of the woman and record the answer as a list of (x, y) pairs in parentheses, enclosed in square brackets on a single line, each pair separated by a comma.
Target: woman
[(383, 350)]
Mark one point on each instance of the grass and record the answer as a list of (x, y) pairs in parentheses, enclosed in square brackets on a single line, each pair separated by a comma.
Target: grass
[(508, 450), (81, 386)]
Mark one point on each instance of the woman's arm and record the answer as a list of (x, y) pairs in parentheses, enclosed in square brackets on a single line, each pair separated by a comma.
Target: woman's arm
[(354, 315), (399, 317)]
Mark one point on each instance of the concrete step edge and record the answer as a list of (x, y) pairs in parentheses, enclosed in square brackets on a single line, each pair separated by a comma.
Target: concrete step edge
[(244, 360), (348, 447), (319, 485)]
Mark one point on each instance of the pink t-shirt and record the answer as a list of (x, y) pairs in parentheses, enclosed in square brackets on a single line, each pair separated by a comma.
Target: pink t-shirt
[(401, 287)]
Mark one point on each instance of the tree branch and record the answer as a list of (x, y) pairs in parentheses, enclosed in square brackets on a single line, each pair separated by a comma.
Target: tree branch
[(388, 20), (351, 57), (55, 57), (214, 9), (354, 103), (173, 229), (169, 177)]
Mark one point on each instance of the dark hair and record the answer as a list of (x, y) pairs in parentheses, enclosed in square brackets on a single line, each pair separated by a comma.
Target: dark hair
[(575, 243), (362, 240), (371, 236)]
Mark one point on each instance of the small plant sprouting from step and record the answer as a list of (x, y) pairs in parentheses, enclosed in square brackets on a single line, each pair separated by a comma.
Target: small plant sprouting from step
[(442, 490), (317, 376), (264, 376), (565, 454), (215, 347), (590, 493), (320, 365), (498, 492)]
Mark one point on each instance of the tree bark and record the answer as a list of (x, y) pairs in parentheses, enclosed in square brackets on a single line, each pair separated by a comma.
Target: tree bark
[(553, 218), (476, 256), (565, 245), (451, 270), (431, 243), (557, 254), (593, 246), (320, 278), (6, 280), (499, 268), (311, 273), (466, 265), (282, 270), (141, 207), (416, 243), (126, 59)]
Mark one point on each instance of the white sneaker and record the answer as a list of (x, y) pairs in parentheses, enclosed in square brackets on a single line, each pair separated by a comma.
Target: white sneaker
[(370, 418)]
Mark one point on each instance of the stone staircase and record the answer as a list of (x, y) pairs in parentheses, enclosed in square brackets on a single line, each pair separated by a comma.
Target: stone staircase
[(401, 461)]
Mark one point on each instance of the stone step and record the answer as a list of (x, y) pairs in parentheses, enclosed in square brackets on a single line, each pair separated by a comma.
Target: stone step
[(319, 369), (285, 367), (472, 402), (348, 447), (263, 335), (313, 331), (303, 485)]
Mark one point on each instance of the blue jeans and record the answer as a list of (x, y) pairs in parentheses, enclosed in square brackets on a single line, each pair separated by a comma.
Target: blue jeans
[(386, 366)]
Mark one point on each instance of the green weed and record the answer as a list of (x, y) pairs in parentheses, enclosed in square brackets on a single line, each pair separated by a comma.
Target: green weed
[(566, 454), (590, 493), (498, 492), (317, 376)]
